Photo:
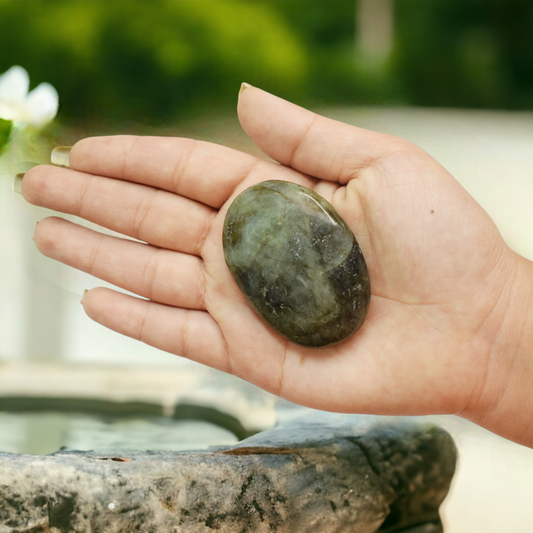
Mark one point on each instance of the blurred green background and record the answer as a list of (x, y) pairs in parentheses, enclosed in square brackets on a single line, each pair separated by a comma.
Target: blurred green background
[(159, 62)]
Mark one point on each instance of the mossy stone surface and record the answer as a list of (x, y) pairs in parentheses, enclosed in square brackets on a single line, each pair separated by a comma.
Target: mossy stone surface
[(297, 262)]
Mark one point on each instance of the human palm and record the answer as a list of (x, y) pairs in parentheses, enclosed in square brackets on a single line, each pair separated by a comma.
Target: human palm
[(437, 264)]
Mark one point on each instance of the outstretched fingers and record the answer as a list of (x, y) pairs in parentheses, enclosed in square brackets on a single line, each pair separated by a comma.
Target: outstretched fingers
[(307, 142), (144, 213), (201, 171), (184, 332), (162, 275)]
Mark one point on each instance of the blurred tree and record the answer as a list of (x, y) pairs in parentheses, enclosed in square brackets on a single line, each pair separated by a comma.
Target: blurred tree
[(474, 53), (159, 59), (337, 74), (375, 28)]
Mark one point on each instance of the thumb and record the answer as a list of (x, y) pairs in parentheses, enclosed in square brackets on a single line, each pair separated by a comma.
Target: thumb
[(312, 144)]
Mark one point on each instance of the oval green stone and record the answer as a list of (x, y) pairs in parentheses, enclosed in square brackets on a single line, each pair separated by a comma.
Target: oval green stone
[(297, 262)]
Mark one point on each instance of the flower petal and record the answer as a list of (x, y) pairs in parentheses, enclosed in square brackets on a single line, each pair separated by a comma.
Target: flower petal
[(14, 85), (9, 111), (41, 105)]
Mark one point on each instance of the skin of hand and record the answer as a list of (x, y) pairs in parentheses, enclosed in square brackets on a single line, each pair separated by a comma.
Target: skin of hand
[(449, 328)]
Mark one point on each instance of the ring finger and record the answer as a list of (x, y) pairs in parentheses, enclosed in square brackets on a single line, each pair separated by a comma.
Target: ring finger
[(158, 274)]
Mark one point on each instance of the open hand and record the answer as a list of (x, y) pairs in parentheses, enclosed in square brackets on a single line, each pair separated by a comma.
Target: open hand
[(439, 270)]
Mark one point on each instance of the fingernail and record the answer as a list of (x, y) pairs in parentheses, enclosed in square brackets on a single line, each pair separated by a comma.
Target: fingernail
[(244, 86), (33, 236), (60, 156), (83, 296), (17, 183)]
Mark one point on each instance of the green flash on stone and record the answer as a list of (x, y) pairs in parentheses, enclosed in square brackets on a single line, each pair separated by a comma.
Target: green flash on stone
[(297, 262)]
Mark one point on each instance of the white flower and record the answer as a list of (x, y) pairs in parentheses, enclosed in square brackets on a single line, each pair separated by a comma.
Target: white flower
[(36, 108)]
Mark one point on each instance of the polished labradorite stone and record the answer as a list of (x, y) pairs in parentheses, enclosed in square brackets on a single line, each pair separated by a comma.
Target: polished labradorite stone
[(297, 262)]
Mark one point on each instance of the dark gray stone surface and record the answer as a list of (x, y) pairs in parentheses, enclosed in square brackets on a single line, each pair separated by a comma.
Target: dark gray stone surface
[(297, 262), (431, 527), (357, 477)]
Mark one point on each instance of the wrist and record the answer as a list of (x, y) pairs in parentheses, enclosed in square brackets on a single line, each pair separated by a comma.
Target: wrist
[(504, 403)]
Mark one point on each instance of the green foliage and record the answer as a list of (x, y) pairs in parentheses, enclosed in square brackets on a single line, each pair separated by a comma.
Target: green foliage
[(159, 61), (471, 53), (138, 59), (336, 74), (5, 131)]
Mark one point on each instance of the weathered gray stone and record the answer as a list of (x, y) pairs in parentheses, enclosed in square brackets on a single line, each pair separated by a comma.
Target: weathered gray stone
[(297, 262), (354, 477)]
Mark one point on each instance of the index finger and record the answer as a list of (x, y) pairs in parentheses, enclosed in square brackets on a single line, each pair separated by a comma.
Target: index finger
[(201, 171)]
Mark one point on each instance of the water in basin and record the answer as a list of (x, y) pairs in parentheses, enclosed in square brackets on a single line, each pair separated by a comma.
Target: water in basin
[(42, 433)]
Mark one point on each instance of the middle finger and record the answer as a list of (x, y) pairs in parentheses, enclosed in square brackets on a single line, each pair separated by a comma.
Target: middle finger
[(145, 213)]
